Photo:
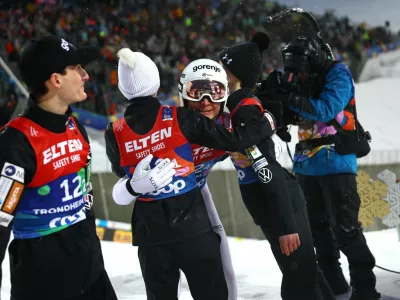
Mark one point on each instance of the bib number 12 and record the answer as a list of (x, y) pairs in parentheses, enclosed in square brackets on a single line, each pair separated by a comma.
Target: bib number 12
[(77, 182)]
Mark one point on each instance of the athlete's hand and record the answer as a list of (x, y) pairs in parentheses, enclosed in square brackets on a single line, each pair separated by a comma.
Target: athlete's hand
[(146, 180), (289, 243)]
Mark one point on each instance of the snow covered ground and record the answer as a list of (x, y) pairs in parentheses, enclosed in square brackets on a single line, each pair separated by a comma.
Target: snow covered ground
[(257, 273)]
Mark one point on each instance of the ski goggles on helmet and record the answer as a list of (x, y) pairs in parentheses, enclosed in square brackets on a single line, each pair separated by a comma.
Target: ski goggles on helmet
[(196, 90)]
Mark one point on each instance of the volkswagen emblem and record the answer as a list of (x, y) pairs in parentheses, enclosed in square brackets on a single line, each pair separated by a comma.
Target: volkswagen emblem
[(265, 175)]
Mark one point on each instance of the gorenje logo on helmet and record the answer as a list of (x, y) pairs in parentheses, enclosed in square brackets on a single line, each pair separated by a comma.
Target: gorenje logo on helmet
[(206, 67)]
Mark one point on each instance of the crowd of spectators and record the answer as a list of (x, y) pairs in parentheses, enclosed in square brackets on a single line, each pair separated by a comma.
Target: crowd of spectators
[(8, 97), (172, 32)]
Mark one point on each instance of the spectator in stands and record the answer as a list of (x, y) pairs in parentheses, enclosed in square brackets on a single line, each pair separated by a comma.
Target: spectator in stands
[(170, 32), (9, 105)]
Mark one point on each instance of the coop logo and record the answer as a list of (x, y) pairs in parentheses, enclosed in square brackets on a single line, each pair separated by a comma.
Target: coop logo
[(68, 220), (14, 172), (175, 187), (206, 67)]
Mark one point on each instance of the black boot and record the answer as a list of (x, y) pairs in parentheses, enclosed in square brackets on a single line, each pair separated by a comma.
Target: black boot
[(328, 261), (365, 295), (361, 265), (334, 275)]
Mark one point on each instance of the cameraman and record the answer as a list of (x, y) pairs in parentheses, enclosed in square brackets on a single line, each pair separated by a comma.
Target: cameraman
[(321, 92)]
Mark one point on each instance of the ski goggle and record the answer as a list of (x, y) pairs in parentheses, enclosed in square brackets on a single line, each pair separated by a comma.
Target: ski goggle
[(196, 90)]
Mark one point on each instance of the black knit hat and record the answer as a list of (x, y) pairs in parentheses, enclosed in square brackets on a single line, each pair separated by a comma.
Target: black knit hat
[(245, 60)]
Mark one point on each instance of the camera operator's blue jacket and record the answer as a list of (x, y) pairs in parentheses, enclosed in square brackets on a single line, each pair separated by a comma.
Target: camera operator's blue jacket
[(337, 92)]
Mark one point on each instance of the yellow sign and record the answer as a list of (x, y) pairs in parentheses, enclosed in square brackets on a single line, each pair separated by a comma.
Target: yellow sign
[(372, 194), (100, 232), (122, 236)]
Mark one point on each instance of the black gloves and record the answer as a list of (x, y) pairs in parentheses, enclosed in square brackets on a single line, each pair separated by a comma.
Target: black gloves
[(272, 84), (290, 82), (301, 102)]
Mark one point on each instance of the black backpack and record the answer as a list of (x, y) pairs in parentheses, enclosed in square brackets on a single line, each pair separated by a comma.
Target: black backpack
[(348, 141)]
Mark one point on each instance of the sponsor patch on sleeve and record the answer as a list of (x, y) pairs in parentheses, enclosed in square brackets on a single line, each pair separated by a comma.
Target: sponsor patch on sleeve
[(14, 172), (13, 197), (254, 152), (259, 164), (265, 175), (5, 219), (5, 187)]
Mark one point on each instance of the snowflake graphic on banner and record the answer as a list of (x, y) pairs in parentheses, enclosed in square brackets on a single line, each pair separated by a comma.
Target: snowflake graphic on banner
[(372, 194), (392, 198)]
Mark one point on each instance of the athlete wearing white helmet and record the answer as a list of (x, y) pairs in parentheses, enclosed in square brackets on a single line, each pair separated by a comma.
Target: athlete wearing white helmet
[(203, 87), (170, 220), (198, 86), (204, 79)]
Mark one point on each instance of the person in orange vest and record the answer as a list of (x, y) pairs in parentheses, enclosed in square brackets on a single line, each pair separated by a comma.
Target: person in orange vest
[(212, 106), (170, 223), (45, 183)]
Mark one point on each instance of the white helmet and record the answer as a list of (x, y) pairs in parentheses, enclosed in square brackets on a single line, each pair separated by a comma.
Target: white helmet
[(203, 77)]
